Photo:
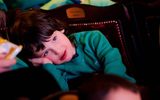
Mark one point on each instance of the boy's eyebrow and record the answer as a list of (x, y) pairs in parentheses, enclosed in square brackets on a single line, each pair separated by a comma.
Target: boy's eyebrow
[(43, 50)]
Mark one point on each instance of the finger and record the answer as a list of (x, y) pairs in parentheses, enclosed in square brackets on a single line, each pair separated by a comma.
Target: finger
[(7, 63), (36, 65), (40, 60), (36, 60), (2, 56), (4, 69)]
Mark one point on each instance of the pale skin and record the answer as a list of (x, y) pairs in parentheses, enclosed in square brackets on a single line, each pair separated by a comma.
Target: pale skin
[(58, 49), (122, 94), (5, 65)]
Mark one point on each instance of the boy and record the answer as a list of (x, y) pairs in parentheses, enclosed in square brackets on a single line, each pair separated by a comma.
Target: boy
[(45, 43)]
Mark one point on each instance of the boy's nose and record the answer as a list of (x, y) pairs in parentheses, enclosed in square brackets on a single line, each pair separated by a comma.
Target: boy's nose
[(57, 51)]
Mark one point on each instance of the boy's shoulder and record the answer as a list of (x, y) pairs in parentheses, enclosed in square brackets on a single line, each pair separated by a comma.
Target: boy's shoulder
[(86, 33), (20, 64), (89, 32), (85, 36)]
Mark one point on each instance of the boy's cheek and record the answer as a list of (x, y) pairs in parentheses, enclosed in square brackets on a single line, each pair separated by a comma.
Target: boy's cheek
[(49, 58)]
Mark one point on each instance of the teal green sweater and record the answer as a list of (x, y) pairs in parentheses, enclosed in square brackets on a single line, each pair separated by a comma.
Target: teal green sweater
[(94, 53), (20, 64)]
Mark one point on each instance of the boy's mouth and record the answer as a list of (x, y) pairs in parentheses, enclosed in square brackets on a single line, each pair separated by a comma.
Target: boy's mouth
[(64, 55)]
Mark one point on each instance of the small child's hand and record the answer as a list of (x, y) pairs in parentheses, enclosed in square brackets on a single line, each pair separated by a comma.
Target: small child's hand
[(5, 65), (39, 61)]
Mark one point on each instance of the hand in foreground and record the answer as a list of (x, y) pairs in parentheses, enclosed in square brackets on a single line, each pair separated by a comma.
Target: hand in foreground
[(5, 65), (39, 61)]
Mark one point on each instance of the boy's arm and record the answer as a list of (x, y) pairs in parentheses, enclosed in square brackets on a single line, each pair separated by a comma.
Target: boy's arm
[(19, 64), (109, 57), (57, 74), (52, 69)]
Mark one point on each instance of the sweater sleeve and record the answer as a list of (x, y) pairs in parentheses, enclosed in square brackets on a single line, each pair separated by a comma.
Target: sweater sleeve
[(20, 64), (109, 57), (58, 75)]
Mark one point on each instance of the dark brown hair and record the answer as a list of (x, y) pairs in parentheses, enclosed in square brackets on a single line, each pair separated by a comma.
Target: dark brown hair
[(33, 27)]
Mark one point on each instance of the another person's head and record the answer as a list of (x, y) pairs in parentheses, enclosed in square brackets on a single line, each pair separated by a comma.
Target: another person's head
[(109, 87), (42, 36), (101, 87)]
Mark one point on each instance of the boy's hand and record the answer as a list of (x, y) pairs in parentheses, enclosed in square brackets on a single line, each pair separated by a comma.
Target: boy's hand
[(39, 61), (5, 65)]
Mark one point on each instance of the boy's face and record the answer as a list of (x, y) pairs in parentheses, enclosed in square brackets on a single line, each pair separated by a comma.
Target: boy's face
[(122, 94), (58, 49)]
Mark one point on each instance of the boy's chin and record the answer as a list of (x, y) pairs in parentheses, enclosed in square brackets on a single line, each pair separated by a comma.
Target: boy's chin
[(64, 61), (67, 60)]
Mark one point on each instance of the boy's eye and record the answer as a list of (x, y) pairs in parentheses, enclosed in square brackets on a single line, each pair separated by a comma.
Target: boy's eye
[(54, 38), (46, 53)]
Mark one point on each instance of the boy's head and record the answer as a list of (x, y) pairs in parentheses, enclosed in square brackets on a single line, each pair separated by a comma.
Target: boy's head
[(41, 34), (32, 27), (109, 87)]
